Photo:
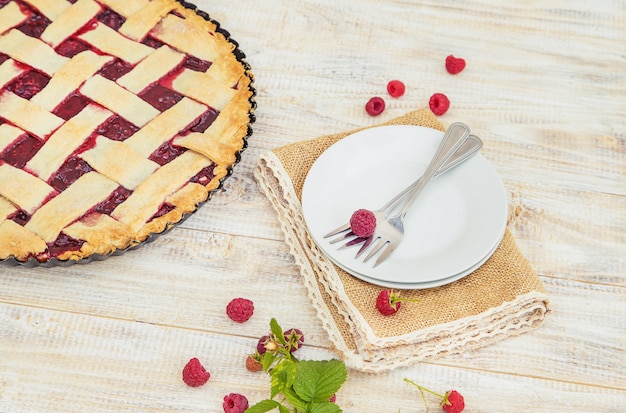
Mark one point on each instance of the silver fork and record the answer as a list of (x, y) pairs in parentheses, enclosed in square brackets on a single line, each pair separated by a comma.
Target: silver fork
[(456, 146), (470, 147)]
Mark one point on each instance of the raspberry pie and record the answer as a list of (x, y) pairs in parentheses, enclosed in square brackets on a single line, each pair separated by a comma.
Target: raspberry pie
[(117, 119)]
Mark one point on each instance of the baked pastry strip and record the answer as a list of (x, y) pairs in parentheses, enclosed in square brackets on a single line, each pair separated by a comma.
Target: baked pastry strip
[(52, 9), (32, 52), (69, 78), (111, 42), (86, 192), (145, 201), (165, 126), (111, 158), (23, 189), (21, 112), (119, 100), (152, 68), (8, 135), (68, 23), (66, 139), (10, 16)]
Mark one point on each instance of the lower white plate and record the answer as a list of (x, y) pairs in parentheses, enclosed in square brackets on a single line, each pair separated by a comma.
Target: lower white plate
[(457, 220), (422, 285)]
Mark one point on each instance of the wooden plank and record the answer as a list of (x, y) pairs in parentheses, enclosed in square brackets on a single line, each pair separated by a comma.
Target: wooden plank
[(113, 365), (195, 274)]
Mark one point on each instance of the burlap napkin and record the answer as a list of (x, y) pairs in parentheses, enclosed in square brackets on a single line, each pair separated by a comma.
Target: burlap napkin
[(503, 298)]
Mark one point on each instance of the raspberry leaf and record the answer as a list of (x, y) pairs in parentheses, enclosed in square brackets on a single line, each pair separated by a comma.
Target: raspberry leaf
[(268, 360), (317, 381), (266, 406), (283, 376), (293, 399), (277, 331), (324, 407)]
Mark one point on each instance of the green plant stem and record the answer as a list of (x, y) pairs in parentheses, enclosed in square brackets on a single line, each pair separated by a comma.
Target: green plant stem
[(422, 389)]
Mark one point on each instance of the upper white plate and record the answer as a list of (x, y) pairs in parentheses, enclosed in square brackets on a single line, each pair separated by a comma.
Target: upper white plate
[(457, 220)]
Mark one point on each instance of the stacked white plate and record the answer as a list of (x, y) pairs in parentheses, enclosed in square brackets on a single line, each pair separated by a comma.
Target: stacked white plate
[(454, 226)]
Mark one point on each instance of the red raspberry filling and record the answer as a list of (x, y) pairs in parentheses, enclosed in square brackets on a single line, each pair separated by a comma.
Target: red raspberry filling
[(363, 223), (439, 104), (375, 106)]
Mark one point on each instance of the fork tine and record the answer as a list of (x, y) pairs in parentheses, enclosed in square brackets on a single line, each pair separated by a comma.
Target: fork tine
[(352, 242), (380, 243), (365, 245), (338, 230), (385, 254), (342, 237)]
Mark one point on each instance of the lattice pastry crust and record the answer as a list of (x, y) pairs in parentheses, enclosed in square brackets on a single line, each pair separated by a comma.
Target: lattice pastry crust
[(117, 119)]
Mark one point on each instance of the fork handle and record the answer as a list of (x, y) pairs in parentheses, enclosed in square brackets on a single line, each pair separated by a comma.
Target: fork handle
[(469, 148), (445, 158)]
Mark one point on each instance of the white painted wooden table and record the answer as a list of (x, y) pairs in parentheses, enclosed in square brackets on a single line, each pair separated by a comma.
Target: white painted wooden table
[(545, 87)]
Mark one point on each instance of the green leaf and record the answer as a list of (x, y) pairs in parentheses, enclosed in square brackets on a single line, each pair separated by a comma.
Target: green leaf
[(277, 331), (324, 407), (317, 381), (282, 376), (268, 360), (263, 406), (293, 399)]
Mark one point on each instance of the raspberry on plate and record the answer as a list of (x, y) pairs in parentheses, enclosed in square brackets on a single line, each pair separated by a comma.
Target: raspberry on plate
[(363, 223), (194, 373), (240, 309)]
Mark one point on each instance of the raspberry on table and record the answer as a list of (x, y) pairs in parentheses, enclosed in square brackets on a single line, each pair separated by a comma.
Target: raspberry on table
[(395, 88), (439, 104), (294, 338), (253, 364), (240, 309), (454, 65), (453, 402), (375, 106), (363, 223), (194, 373), (235, 403)]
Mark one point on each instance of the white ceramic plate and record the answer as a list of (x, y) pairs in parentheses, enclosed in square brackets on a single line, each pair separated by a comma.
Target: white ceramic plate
[(457, 220), (423, 285)]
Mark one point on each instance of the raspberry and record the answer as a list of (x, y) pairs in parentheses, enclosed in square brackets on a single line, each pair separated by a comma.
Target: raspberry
[(375, 106), (387, 303), (395, 88), (194, 374), (266, 343), (333, 398), (294, 338), (363, 223), (235, 403), (240, 309), (260, 346), (454, 65), (439, 104), (453, 402), (253, 365)]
